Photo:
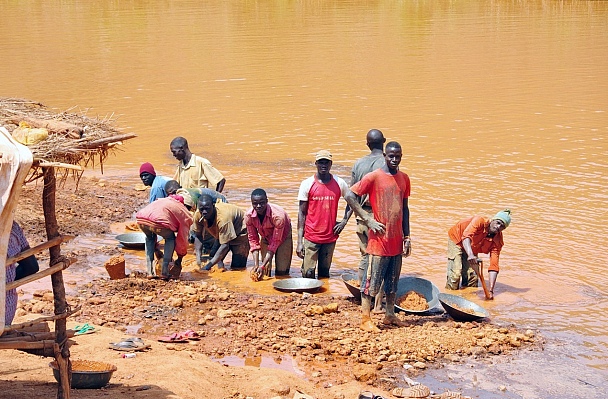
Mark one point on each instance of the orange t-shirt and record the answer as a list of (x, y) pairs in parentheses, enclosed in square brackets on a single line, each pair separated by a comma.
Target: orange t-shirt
[(476, 228), (386, 195)]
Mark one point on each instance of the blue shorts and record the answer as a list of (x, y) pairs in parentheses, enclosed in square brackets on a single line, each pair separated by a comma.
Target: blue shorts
[(383, 268)]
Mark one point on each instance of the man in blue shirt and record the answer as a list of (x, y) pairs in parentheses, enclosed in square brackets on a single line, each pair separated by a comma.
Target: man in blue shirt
[(147, 174)]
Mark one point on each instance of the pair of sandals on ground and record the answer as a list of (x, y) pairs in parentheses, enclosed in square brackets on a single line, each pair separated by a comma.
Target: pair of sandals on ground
[(138, 344), (184, 336)]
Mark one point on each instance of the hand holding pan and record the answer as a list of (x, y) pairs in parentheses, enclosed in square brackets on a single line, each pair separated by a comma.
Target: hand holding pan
[(478, 267)]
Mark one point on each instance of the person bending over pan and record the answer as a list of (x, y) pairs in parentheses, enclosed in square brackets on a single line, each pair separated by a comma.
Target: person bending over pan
[(472, 236)]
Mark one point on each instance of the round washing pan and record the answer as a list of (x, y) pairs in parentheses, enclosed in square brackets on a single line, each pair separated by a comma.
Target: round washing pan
[(462, 309), (298, 284), (421, 286)]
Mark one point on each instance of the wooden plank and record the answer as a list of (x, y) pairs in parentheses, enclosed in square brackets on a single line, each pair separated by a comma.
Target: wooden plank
[(27, 345), (42, 273), (65, 315), (39, 248), (106, 140), (30, 337), (61, 165)]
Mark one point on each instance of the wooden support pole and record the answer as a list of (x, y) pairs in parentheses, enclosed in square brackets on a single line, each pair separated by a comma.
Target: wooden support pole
[(38, 248), (60, 348), (106, 140)]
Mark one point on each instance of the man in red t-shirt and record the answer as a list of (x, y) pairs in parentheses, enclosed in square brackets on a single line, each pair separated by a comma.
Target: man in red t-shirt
[(389, 232), (318, 229)]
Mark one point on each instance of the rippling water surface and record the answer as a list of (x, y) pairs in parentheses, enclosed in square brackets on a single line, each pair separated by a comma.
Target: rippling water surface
[(496, 103)]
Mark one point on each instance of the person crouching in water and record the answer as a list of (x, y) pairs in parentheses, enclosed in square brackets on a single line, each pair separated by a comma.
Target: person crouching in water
[(169, 218)]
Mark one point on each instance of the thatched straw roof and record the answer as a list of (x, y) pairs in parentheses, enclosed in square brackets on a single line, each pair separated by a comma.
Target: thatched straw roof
[(74, 138)]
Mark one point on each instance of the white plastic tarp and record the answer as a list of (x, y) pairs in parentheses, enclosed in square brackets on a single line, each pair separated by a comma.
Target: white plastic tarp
[(15, 162)]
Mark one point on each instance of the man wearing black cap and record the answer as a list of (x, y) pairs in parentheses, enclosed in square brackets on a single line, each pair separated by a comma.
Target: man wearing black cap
[(318, 229)]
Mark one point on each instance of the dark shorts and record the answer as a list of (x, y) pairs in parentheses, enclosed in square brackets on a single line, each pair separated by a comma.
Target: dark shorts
[(381, 269)]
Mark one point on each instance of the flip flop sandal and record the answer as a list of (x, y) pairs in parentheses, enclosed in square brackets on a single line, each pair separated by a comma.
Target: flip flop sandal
[(172, 338), (191, 335), (135, 340), (84, 329), (129, 344), (366, 395)]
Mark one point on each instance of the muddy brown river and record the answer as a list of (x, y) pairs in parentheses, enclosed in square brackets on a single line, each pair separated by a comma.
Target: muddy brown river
[(497, 104)]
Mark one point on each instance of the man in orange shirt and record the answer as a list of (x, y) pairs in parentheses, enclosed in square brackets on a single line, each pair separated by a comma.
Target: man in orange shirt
[(389, 233), (470, 237)]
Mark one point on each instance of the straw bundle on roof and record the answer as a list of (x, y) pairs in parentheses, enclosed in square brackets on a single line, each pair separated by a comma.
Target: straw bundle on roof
[(74, 138)]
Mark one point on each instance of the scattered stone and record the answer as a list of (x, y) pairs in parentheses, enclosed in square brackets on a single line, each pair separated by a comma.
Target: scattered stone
[(300, 342), (96, 301), (330, 308), (420, 365), (314, 310), (364, 373), (282, 390), (222, 314)]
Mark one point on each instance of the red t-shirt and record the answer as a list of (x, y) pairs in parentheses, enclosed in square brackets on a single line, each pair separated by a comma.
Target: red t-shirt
[(322, 208), (386, 195)]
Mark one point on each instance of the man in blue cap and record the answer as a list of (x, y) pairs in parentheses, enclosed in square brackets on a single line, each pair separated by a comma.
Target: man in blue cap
[(470, 237)]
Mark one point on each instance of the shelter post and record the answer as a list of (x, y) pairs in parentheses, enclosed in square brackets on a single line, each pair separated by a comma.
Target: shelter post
[(61, 348)]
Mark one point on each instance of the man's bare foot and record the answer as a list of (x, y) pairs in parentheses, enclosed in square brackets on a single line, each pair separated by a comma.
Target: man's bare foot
[(378, 311), (393, 320), (369, 326)]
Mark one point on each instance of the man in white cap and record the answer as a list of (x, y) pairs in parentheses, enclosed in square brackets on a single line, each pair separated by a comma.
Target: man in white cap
[(470, 237), (318, 229)]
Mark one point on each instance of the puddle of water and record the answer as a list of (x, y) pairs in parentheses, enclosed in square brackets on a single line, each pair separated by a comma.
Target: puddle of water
[(285, 363)]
